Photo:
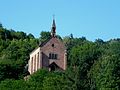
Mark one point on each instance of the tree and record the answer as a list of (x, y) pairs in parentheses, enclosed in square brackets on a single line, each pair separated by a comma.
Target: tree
[(44, 36), (2, 34), (30, 36), (99, 41), (54, 82), (11, 84), (1, 25), (105, 72), (81, 60)]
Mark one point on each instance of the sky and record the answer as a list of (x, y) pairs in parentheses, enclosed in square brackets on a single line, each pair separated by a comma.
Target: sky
[(92, 19)]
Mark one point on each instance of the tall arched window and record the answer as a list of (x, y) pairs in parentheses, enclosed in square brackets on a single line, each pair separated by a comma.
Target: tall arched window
[(35, 63), (38, 63), (31, 65)]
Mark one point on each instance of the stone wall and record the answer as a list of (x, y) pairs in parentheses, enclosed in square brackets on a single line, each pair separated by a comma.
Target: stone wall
[(54, 46), (51, 51)]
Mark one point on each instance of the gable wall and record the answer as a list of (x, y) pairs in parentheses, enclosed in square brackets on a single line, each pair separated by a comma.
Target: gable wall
[(39, 58), (58, 49)]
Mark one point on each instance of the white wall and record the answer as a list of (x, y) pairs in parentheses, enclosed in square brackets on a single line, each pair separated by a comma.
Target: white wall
[(35, 64)]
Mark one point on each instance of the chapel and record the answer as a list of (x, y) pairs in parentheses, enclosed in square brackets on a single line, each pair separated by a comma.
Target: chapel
[(50, 54)]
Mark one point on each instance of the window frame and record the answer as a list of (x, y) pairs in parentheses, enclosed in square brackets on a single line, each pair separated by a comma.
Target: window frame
[(53, 56)]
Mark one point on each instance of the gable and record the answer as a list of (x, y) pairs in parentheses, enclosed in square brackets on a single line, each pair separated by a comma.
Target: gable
[(53, 42)]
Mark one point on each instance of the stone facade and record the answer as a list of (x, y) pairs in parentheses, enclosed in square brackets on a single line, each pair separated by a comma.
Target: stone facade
[(50, 55)]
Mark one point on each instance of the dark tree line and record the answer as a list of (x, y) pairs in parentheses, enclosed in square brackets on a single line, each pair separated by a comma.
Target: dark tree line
[(91, 65)]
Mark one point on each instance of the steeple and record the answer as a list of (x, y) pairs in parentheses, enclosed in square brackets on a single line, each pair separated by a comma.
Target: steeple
[(53, 29)]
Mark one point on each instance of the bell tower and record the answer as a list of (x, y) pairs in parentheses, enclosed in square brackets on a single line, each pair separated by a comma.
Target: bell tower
[(53, 29)]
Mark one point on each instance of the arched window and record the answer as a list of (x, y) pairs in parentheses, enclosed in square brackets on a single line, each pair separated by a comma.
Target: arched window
[(32, 65), (38, 60)]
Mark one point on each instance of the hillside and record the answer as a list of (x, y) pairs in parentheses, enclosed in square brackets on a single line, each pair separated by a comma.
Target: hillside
[(91, 65)]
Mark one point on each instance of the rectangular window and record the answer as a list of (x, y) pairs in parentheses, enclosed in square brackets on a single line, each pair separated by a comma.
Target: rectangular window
[(53, 56), (50, 56)]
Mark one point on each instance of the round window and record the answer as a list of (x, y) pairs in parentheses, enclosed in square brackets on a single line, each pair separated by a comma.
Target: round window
[(52, 45)]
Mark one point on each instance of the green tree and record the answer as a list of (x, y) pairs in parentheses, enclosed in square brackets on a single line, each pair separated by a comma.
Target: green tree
[(30, 36), (1, 25), (54, 82), (44, 36), (2, 34), (104, 73), (10, 84)]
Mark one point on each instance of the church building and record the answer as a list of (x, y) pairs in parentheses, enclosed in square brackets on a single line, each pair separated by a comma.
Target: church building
[(50, 54)]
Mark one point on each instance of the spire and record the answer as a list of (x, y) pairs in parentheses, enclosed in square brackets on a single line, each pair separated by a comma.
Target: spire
[(53, 29)]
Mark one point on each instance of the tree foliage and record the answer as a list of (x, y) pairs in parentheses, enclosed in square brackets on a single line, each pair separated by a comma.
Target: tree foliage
[(90, 65)]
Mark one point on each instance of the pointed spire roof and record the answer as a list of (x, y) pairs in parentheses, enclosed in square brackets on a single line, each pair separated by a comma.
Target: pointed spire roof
[(53, 29), (53, 24)]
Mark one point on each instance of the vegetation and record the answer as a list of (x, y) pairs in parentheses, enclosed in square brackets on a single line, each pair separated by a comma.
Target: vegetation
[(91, 65)]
